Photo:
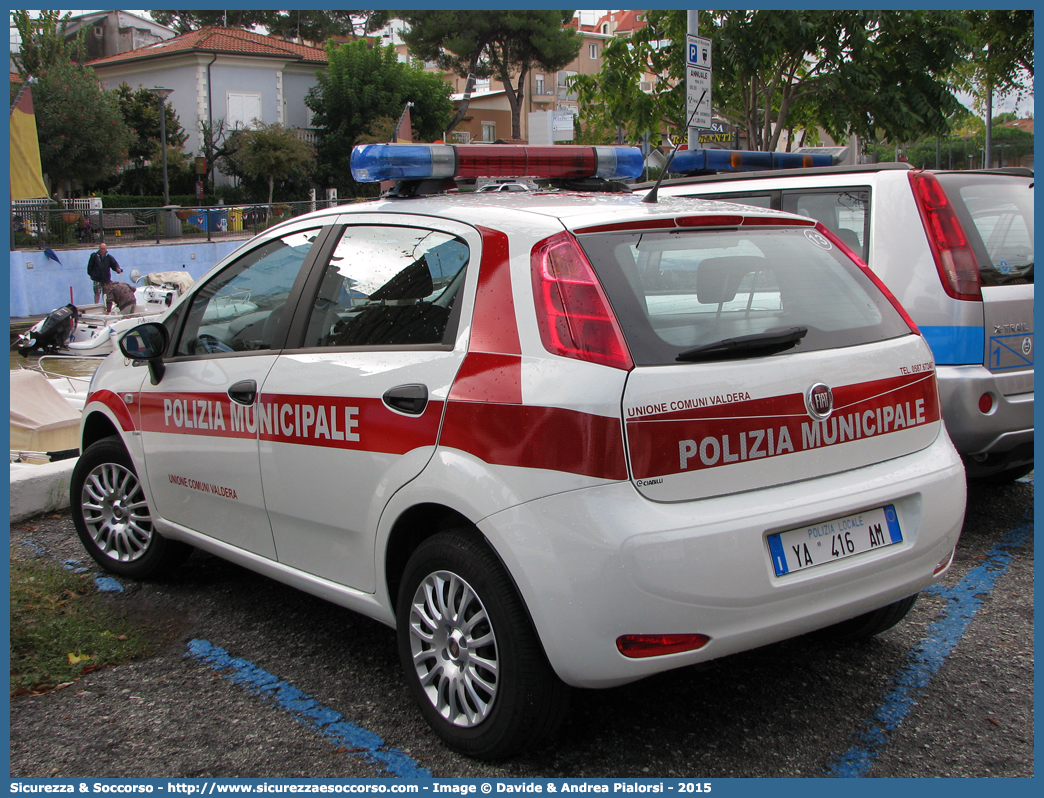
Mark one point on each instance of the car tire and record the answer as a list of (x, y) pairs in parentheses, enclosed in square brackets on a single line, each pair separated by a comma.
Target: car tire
[(472, 659), (872, 623), (1005, 477), (112, 517)]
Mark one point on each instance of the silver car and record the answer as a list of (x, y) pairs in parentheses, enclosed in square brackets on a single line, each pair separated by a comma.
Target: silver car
[(956, 249)]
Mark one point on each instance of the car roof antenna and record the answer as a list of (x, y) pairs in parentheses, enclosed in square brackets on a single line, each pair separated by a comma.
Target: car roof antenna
[(651, 196)]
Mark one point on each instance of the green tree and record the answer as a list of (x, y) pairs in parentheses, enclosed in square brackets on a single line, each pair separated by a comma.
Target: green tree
[(140, 110), (269, 152), (1001, 59), (362, 84), (505, 44), (613, 101), (185, 21), (82, 133), (862, 72), (314, 26), (44, 43)]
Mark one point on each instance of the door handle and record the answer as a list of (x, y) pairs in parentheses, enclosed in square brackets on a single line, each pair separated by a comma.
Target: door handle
[(410, 399), (243, 392)]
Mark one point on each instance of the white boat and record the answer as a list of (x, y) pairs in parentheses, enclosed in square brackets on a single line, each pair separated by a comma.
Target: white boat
[(45, 416), (95, 334)]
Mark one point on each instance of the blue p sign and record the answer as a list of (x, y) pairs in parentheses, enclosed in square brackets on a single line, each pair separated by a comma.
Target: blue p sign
[(693, 53)]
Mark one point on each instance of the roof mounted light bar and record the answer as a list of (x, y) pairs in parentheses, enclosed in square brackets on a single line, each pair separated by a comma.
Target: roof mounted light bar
[(688, 161), (375, 162)]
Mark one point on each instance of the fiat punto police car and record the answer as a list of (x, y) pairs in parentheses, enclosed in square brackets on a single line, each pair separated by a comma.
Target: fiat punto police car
[(956, 249), (553, 439)]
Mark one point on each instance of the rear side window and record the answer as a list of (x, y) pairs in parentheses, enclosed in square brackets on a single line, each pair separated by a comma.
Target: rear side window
[(389, 286), (676, 291), (996, 212), (843, 210)]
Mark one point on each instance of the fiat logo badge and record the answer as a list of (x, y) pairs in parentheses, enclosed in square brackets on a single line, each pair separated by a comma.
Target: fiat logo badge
[(820, 401)]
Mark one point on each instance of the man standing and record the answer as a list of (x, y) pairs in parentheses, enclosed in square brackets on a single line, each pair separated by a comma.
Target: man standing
[(100, 268)]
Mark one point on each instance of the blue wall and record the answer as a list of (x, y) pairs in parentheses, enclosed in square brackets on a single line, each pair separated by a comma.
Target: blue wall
[(45, 286)]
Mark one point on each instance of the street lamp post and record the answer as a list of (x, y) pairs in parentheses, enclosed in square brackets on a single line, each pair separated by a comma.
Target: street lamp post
[(1000, 153), (163, 94)]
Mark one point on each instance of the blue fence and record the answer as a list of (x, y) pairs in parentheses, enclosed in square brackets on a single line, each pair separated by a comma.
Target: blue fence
[(40, 284)]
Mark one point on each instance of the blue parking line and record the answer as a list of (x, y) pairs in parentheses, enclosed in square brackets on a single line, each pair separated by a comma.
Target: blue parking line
[(925, 659), (306, 710)]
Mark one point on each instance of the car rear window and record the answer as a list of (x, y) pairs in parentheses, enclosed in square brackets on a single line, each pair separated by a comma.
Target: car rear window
[(996, 212), (674, 291)]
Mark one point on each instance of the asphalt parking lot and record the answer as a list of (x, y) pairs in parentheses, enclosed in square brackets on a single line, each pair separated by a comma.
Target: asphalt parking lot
[(254, 679)]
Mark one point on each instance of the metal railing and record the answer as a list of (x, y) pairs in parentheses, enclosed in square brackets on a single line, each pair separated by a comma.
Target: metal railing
[(34, 225)]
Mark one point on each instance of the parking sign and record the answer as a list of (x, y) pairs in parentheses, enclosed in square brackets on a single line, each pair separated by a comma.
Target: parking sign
[(698, 81)]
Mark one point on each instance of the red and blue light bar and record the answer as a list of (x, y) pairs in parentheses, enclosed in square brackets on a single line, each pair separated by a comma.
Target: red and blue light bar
[(743, 161), (374, 162)]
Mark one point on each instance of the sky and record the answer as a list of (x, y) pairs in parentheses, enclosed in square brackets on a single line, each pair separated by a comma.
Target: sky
[(1000, 105)]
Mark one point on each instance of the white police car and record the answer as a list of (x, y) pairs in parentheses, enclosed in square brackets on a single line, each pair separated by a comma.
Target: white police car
[(956, 249), (553, 439)]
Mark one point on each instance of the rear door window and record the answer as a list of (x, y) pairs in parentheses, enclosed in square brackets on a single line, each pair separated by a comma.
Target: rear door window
[(996, 212), (676, 291)]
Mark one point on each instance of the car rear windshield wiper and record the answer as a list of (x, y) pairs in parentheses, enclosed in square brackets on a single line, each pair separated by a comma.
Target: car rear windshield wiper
[(765, 343)]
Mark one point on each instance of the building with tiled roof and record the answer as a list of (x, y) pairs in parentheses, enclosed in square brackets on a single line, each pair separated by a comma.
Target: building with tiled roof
[(621, 23), (1025, 125), (221, 40), (223, 74)]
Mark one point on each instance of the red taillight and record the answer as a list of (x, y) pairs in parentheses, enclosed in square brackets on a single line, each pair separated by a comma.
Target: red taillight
[(954, 258), (573, 313), (986, 404), (640, 646)]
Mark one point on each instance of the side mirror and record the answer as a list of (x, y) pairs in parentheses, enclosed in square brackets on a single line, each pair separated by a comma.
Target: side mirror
[(147, 342)]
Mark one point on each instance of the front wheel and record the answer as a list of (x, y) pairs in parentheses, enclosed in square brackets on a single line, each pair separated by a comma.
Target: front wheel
[(112, 517), (471, 657)]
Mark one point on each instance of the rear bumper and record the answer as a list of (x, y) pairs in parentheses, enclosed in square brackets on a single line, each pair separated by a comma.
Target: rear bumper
[(602, 562), (1007, 426)]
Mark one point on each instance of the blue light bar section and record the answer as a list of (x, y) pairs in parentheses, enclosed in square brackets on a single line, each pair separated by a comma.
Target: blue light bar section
[(743, 161), (619, 163), (371, 163)]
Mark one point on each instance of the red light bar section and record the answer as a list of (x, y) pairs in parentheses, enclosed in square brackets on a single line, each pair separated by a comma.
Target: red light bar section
[(499, 160)]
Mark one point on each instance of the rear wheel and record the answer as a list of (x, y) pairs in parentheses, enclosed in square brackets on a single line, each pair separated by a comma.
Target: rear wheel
[(1007, 476), (872, 623), (112, 517), (471, 657)]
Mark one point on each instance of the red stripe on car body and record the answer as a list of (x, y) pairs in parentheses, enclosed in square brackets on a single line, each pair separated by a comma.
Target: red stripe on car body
[(493, 323), (694, 438), (487, 377), (337, 422), (527, 436), (117, 405)]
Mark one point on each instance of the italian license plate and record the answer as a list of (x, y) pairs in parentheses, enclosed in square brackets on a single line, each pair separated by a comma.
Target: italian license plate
[(836, 539)]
